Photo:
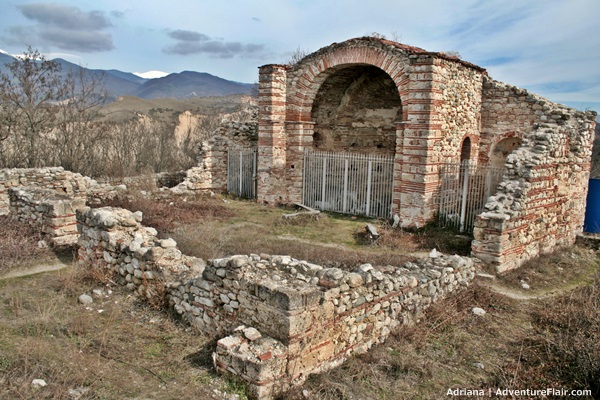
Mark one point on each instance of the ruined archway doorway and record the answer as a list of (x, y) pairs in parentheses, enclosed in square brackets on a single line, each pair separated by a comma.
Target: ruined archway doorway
[(350, 168), (502, 149)]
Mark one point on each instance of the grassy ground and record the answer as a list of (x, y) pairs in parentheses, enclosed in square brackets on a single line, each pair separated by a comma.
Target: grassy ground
[(115, 348), (212, 227), (120, 348)]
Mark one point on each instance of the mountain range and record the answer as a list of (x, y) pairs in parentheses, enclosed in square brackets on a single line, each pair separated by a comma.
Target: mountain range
[(181, 85)]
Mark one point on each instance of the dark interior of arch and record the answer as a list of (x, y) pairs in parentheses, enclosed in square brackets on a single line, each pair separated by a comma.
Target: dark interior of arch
[(355, 110)]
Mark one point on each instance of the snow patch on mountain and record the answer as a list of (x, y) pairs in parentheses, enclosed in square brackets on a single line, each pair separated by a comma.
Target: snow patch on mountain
[(151, 74)]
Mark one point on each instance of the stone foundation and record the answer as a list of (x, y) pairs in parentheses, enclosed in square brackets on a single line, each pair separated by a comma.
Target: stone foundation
[(285, 318)]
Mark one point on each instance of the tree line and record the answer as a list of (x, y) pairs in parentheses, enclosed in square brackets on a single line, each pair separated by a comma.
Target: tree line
[(51, 118)]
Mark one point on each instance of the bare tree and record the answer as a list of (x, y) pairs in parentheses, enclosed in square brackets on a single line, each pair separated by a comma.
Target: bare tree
[(78, 133), (28, 96), (297, 55)]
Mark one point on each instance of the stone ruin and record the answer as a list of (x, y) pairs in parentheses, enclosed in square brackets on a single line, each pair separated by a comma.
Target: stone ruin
[(371, 95), (283, 319), (279, 319)]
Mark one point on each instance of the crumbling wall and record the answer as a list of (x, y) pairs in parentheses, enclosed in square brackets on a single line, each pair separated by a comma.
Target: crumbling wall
[(114, 239), (310, 319), (540, 202), (298, 318), (56, 179), (48, 212), (53, 178), (210, 175)]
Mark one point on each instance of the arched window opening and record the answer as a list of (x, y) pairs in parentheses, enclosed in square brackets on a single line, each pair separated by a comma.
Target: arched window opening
[(465, 150)]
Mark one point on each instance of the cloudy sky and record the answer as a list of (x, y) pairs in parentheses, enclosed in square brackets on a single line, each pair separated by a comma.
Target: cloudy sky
[(551, 47)]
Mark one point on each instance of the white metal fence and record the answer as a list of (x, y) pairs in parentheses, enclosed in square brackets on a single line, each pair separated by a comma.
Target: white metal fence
[(464, 191), (241, 172), (348, 183)]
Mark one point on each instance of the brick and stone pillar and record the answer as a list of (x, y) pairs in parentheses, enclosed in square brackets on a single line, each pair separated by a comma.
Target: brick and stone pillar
[(418, 180), (271, 187)]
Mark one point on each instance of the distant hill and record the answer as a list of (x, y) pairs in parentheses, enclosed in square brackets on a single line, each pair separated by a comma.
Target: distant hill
[(115, 82), (184, 85), (190, 84), (5, 59)]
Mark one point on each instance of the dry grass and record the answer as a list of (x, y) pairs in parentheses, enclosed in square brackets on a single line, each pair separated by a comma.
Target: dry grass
[(567, 267), (168, 213), (564, 348), (19, 245), (115, 348)]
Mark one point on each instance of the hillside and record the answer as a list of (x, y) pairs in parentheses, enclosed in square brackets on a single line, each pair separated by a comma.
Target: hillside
[(190, 84), (182, 85), (169, 109)]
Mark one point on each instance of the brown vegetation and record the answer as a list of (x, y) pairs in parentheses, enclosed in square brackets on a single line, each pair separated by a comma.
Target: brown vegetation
[(19, 245)]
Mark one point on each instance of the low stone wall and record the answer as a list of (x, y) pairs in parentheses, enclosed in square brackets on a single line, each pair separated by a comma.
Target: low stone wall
[(301, 318), (55, 179), (113, 238), (289, 318), (46, 211)]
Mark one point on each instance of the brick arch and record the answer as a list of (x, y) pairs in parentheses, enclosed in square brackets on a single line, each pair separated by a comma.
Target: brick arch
[(309, 74)]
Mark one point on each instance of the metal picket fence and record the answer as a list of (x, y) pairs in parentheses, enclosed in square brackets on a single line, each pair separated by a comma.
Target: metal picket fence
[(241, 171), (464, 191), (349, 183)]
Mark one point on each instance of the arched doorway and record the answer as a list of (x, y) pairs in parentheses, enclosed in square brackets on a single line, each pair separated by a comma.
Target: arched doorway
[(351, 166), (465, 150)]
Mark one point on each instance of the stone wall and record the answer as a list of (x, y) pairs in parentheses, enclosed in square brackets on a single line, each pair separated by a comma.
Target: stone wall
[(459, 111), (540, 203), (53, 178), (48, 212), (306, 319), (114, 239), (56, 179), (211, 173), (287, 318)]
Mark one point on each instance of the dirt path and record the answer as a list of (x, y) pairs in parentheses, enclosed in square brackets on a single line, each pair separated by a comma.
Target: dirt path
[(518, 294), (36, 269)]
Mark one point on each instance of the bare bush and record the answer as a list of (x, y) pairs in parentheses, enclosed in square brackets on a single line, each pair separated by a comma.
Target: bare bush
[(19, 244)]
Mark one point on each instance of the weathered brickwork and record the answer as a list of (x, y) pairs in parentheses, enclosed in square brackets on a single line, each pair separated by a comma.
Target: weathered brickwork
[(372, 96), (541, 202), (286, 318)]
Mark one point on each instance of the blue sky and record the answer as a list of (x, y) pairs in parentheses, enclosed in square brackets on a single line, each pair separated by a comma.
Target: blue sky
[(550, 47)]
